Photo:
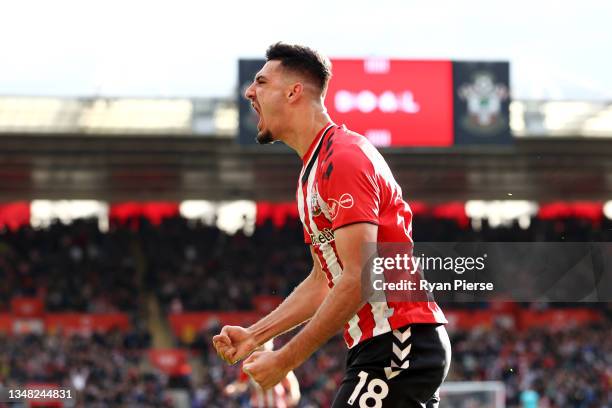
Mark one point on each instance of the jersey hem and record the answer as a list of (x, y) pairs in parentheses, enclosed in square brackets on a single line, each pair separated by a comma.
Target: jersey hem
[(408, 320)]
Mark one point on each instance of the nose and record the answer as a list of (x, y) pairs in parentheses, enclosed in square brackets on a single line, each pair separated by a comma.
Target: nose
[(250, 92)]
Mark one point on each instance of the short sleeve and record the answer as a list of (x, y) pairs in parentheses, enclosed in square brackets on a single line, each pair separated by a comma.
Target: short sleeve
[(352, 193)]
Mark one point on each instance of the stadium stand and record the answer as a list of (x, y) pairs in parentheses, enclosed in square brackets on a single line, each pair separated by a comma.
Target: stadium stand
[(188, 266)]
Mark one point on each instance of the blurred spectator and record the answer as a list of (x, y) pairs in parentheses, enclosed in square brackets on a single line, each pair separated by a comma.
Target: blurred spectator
[(99, 369), (191, 266)]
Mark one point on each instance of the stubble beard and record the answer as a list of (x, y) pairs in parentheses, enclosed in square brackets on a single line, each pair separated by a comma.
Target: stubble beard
[(264, 137)]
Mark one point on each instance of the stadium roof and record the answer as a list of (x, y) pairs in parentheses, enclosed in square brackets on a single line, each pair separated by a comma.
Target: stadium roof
[(218, 117), (55, 166)]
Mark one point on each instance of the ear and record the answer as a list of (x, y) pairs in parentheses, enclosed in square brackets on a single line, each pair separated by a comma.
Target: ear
[(295, 91)]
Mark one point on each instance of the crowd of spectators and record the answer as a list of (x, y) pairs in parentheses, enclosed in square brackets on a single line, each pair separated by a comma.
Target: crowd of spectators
[(195, 267), (192, 266), (568, 367), (73, 267), (100, 370), (428, 229)]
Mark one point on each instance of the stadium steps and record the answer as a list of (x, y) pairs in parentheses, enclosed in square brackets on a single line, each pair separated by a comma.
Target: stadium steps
[(156, 321), (140, 270), (158, 324)]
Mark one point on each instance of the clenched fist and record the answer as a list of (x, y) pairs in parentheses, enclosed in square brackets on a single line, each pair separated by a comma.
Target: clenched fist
[(234, 343), (266, 368)]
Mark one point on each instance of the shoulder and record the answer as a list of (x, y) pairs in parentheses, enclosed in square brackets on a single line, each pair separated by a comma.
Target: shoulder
[(344, 151)]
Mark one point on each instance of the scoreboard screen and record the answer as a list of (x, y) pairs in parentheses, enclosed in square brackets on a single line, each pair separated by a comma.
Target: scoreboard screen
[(394, 102), (408, 103)]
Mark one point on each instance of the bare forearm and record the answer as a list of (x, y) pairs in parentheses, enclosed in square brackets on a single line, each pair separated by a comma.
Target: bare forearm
[(341, 305), (297, 308)]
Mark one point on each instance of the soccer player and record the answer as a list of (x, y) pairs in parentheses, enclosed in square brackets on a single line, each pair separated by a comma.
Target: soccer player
[(399, 352)]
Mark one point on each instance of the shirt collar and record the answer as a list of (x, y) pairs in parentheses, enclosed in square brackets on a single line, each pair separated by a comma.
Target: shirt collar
[(315, 142)]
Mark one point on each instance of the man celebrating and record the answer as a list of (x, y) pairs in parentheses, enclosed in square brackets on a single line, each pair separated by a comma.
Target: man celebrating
[(399, 352)]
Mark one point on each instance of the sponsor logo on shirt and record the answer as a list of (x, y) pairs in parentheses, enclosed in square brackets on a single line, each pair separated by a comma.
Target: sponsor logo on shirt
[(324, 236), (345, 201)]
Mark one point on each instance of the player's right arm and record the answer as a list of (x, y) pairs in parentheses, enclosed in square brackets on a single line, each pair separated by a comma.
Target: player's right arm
[(235, 343)]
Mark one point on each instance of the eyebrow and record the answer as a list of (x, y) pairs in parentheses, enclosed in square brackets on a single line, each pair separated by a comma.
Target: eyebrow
[(259, 77)]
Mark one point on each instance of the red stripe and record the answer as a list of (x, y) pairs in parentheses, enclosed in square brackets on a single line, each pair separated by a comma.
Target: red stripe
[(317, 251), (347, 337), (333, 245), (366, 321), (324, 266)]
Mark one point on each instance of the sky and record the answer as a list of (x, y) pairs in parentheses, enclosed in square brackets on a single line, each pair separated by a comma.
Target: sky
[(558, 50)]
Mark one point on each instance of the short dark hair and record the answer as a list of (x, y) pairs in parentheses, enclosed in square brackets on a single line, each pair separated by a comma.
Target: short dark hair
[(303, 60)]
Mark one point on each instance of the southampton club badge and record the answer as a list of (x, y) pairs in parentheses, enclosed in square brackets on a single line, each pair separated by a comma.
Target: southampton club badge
[(484, 100), (314, 202)]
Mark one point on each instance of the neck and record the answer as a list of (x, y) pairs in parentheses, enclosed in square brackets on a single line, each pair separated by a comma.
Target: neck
[(304, 128)]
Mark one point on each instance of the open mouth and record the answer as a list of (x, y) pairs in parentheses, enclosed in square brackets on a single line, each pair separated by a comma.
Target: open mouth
[(259, 123)]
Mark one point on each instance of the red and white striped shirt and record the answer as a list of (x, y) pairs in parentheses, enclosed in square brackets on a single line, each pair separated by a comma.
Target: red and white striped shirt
[(345, 180)]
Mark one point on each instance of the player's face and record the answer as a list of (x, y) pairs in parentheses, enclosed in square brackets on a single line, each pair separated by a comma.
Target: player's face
[(266, 94)]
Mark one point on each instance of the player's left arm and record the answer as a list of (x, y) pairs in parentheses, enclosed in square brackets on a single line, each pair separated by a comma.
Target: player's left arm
[(344, 299), (342, 303)]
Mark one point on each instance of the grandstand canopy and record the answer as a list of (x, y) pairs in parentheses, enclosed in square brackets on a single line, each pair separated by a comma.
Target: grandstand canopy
[(149, 167), (219, 117)]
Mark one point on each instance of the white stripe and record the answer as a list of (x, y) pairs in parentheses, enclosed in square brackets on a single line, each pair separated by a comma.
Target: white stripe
[(300, 202), (300, 185), (354, 331), (329, 255), (328, 252), (324, 208), (381, 312)]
